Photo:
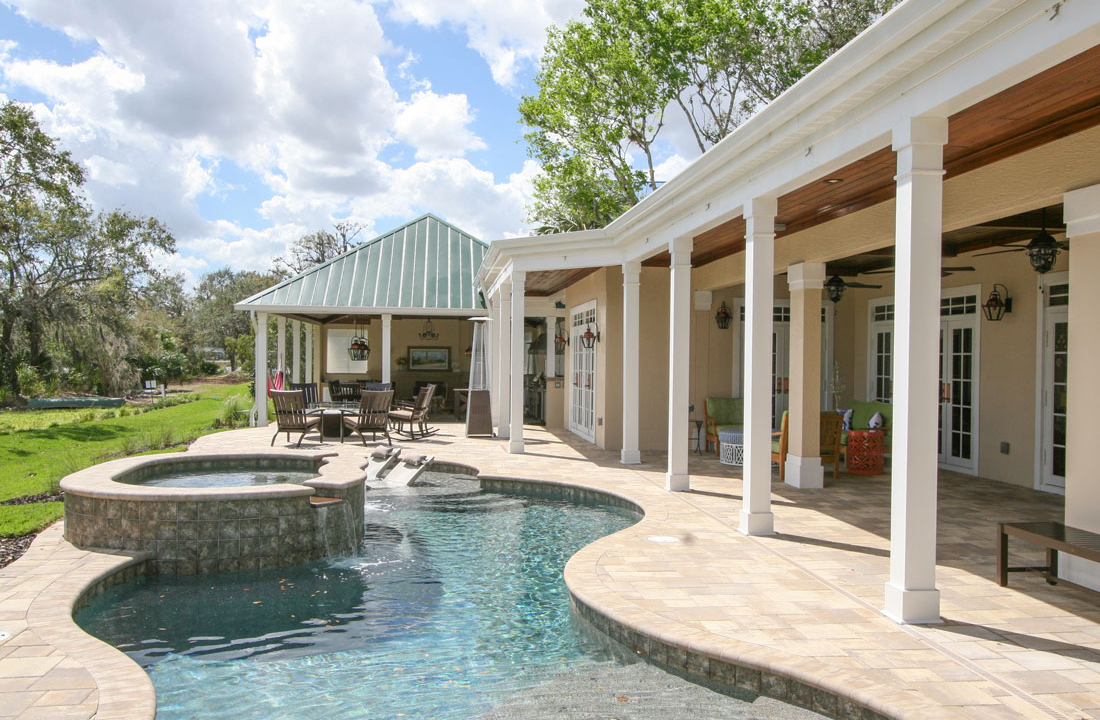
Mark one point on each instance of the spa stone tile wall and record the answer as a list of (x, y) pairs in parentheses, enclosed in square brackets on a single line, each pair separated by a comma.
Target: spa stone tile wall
[(193, 536)]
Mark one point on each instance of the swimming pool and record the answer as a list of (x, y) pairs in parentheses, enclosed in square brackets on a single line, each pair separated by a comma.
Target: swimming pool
[(453, 605)]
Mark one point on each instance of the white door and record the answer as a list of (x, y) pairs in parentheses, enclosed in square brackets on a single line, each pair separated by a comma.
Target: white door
[(959, 324), (582, 406), (1052, 474), (781, 366)]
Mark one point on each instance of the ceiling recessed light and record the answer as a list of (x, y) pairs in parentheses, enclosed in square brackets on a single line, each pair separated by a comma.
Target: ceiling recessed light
[(833, 181)]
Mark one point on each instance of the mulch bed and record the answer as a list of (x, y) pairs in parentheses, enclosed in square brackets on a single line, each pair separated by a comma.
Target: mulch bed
[(40, 497), (12, 548)]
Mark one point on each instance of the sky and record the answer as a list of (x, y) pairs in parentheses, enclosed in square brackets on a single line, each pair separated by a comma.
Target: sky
[(244, 125)]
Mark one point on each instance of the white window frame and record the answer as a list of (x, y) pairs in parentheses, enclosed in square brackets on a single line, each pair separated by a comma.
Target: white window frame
[(351, 367), (1043, 281)]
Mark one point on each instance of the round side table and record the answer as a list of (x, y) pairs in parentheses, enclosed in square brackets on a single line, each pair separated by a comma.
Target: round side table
[(865, 452)]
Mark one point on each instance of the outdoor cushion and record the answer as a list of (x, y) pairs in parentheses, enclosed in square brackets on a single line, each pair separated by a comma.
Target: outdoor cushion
[(861, 415), (847, 419), (719, 429), (876, 421), (726, 411)]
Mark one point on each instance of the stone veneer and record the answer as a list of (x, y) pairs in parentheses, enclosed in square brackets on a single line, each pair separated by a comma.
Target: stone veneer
[(197, 530)]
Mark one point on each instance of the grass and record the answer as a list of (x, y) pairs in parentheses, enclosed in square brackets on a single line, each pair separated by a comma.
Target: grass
[(34, 460)]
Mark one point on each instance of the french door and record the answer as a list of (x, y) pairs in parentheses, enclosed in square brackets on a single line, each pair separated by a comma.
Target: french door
[(959, 323), (582, 405), (1052, 458)]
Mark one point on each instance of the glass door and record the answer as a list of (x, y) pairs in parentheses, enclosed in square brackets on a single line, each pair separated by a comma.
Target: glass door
[(958, 442), (582, 406), (1052, 474)]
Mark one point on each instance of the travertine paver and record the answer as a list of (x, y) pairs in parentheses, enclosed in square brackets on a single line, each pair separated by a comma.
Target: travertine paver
[(803, 604)]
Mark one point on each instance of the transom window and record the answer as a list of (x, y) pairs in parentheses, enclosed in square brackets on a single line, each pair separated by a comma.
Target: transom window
[(1058, 295), (959, 305)]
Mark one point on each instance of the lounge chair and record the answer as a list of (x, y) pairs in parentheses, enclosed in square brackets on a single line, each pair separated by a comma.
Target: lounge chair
[(409, 469), (372, 417), (415, 416), (291, 415), (381, 460)]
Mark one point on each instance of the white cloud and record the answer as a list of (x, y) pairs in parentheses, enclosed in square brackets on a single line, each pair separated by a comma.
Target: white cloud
[(436, 125)]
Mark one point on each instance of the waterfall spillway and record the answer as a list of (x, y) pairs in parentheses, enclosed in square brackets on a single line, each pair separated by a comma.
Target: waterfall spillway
[(335, 528)]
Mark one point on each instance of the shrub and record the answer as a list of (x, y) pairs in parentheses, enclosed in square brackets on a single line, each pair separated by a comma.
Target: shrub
[(234, 411)]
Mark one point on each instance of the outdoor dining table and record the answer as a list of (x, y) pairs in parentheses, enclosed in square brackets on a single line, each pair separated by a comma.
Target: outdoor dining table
[(332, 417)]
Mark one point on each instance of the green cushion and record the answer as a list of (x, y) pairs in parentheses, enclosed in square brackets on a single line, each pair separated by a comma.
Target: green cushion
[(726, 411), (861, 415), (720, 428), (775, 444)]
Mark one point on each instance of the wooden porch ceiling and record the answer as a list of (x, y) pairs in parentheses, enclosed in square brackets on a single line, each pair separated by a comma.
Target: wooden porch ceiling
[(1058, 102)]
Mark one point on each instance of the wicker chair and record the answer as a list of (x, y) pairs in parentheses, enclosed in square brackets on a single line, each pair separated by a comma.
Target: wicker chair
[(415, 416), (291, 415), (373, 415)]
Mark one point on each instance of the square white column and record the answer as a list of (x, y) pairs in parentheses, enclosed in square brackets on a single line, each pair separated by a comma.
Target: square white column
[(550, 369), (280, 353), (911, 595), (310, 329), (504, 357), (1082, 217), (803, 467), (515, 392), (756, 505), (632, 308), (259, 409), (387, 347), (296, 350), (492, 359), (679, 364)]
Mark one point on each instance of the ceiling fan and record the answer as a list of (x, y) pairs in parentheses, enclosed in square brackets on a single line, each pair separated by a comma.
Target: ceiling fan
[(836, 284), (1042, 250), (944, 271)]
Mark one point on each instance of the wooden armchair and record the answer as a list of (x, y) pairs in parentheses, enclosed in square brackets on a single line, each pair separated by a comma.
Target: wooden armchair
[(373, 415), (779, 446), (721, 413), (416, 416), (291, 415), (828, 439)]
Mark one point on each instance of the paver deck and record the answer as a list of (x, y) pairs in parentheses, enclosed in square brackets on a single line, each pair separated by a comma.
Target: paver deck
[(803, 604)]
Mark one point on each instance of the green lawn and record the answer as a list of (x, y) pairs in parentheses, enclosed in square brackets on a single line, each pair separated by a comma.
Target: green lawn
[(33, 461)]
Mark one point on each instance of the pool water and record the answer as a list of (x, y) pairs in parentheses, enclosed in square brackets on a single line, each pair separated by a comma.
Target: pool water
[(224, 478), (454, 604)]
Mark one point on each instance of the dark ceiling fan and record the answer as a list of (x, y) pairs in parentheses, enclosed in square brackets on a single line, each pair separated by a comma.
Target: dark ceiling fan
[(836, 284), (1042, 250), (944, 271)]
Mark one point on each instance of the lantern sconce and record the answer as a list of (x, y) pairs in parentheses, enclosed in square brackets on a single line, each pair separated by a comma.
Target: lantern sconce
[(560, 339), (997, 304), (589, 338), (723, 316)]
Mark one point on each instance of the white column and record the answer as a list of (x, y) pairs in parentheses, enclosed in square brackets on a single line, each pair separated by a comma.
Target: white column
[(551, 368), (492, 335), (632, 284), (504, 355), (679, 364), (280, 347), (756, 506), (1082, 217), (515, 392), (261, 370), (296, 350), (387, 357), (911, 594), (310, 329), (803, 467)]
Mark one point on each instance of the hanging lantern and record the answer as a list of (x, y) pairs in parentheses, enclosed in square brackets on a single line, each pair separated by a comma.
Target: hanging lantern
[(358, 347), (560, 341), (1042, 251), (589, 338), (428, 332), (469, 350), (834, 288), (996, 306), (723, 316)]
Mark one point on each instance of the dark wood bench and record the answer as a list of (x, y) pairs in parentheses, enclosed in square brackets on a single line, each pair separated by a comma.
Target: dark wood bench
[(1054, 536)]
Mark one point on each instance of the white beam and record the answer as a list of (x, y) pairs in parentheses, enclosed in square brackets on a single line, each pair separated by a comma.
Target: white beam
[(756, 507), (679, 364), (515, 436), (260, 365), (632, 279), (911, 595), (387, 347)]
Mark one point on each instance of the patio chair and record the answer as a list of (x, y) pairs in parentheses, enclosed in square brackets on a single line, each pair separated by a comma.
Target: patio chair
[(344, 392), (373, 415), (779, 446), (377, 386), (291, 415), (309, 390), (416, 416), (722, 413), (828, 438)]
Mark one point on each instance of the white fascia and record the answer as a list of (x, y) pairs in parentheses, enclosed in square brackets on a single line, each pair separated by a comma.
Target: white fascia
[(292, 310)]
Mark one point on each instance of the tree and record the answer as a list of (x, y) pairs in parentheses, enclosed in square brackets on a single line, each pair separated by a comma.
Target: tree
[(318, 247), (216, 320), (606, 83)]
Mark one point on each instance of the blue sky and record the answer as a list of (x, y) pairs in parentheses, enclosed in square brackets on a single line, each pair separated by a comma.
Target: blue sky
[(244, 125)]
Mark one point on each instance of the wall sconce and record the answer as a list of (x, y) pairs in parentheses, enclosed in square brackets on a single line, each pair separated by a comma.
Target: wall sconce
[(723, 316), (589, 338), (560, 340), (996, 306)]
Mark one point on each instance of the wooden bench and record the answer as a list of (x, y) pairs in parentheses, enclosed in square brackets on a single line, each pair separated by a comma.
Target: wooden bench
[(1054, 536)]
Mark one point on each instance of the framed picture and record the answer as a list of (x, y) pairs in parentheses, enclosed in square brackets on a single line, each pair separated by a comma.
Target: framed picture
[(430, 358)]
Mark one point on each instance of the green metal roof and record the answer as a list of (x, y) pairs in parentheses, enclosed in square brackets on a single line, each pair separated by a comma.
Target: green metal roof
[(427, 264)]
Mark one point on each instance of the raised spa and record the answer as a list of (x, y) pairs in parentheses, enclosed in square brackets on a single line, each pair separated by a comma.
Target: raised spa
[(215, 513)]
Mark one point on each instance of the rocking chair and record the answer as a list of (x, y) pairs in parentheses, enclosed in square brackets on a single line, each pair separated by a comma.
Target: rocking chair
[(415, 416), (291, 415), (373, 415)]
